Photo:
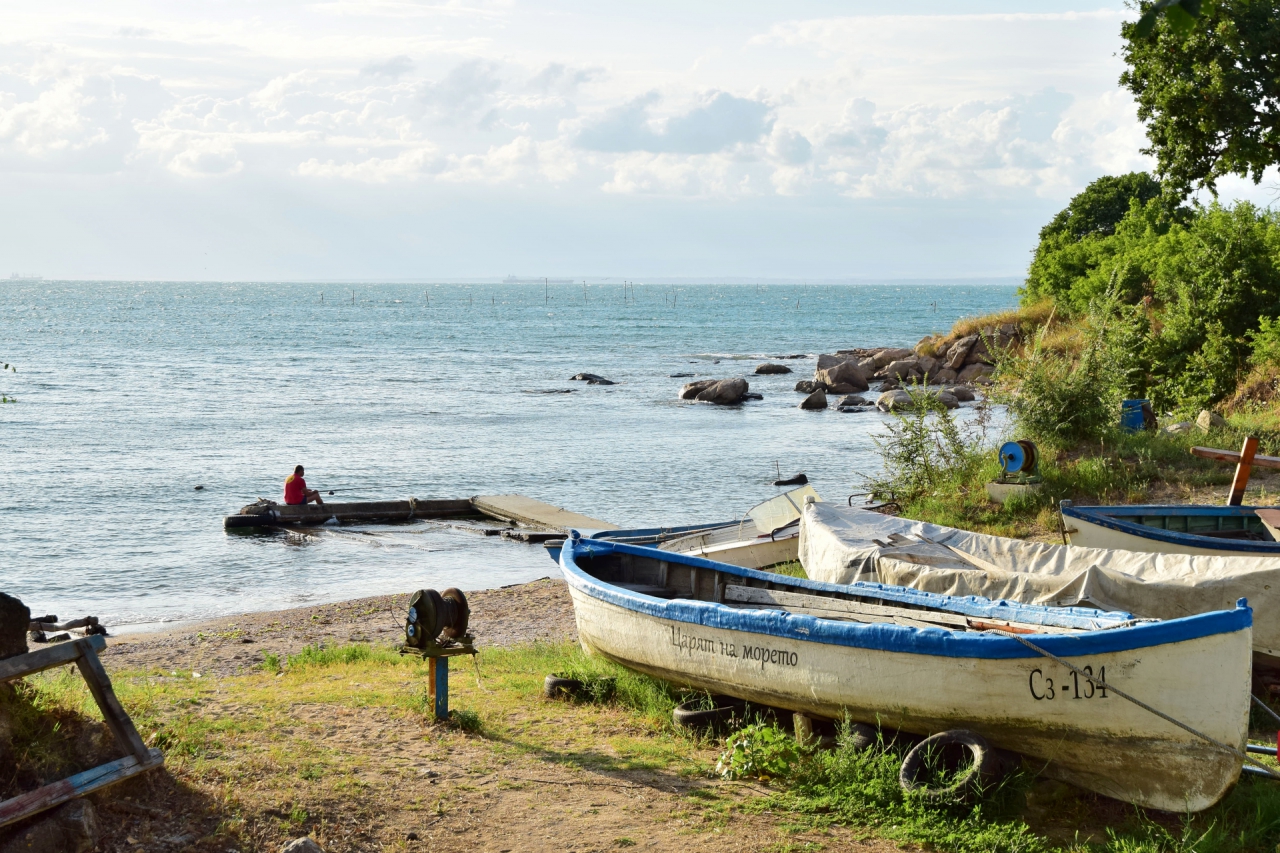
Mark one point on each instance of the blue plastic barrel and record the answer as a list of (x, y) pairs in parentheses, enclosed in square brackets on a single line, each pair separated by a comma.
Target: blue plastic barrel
[(1131, 415)]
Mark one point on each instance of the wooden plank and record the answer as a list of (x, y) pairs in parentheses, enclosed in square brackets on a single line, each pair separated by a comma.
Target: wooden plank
[(779, 598), (57, 793), (1259, 461), (841, 616), (1270, 519), (1241, 479), (47, 658), (817, 605), (519, 509), (100, 686)]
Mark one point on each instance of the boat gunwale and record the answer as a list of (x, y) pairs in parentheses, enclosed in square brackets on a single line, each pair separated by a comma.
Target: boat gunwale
[(886, 636), (1106, 516)]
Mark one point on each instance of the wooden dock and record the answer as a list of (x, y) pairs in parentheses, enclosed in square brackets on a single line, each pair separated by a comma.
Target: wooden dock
[(528, 512)]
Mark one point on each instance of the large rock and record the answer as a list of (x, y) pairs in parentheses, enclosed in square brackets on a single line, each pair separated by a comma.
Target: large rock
[(1180, 427), (894, 401), (15, 619), (693, 389), (945, 376), (974, 372), (947, 399), (816, 400), (807, 386), (981, 353), (852, 400), (842, 378), (1208, 421), (726, 392), (886, 356), (70, 828), (772, 369), (959, 352), (591, 379), (961, 393), (903, 370), (867, 366)]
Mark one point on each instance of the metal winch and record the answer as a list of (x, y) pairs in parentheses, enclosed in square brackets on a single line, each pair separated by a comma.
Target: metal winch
[(436, 629)]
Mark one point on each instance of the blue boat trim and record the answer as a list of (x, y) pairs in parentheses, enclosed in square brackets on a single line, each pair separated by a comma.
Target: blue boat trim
[(888, 637), (1112, 517)]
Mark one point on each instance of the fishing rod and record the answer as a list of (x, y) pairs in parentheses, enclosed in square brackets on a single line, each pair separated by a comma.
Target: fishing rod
[(369, 488)]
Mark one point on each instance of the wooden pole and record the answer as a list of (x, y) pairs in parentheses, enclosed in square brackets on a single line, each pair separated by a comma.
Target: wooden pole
[(1241, 478), (1259, 461)]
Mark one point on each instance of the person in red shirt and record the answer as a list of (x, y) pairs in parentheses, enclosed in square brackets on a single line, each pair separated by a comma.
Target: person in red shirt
[(296, 491)]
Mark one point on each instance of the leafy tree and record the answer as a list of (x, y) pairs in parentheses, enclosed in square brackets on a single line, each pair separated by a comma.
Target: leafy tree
[(1209, 93), (1100, 207)]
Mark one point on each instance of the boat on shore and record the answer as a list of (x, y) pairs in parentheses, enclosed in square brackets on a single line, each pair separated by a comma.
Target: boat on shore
[(1180, 529), (925, 663)]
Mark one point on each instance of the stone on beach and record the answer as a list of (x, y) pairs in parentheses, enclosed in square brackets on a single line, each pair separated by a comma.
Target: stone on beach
[(961, 393), (902, 370), (959, 351), (892, 401), (302, 845), (816, 400), (772, 369)]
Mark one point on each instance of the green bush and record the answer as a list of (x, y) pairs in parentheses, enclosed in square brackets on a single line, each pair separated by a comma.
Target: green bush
[(758, 751)]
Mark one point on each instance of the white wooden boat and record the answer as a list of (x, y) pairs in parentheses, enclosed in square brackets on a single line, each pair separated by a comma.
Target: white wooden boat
[(925, 663), (1179, 529)]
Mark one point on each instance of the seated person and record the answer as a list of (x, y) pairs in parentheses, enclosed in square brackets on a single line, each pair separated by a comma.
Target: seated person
[(296, 491)]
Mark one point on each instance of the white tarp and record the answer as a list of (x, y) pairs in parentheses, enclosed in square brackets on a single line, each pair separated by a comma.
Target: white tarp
[(839, 545)]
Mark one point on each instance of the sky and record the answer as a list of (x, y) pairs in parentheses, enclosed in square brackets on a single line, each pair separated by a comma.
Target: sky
[(406, 140)]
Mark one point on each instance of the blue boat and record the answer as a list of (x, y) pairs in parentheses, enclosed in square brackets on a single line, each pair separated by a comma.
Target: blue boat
[(925, 663), (1179, 529)]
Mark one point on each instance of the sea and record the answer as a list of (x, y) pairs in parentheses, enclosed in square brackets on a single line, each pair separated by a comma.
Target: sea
[(144, 412)]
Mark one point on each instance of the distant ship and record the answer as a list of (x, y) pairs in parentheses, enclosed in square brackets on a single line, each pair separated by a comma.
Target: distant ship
[(25, 276), (513, 280)]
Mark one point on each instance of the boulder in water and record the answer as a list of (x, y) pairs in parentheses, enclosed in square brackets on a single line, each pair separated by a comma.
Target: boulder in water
[(816, 400), (772, 369), (723, 392)]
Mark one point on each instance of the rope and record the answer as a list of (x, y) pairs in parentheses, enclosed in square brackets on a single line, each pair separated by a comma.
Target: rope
[(1144, 706), (1264, 706)]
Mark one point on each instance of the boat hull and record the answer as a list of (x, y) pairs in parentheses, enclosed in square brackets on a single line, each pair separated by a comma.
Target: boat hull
[(755, 553), (904, 678), (1166, 529)]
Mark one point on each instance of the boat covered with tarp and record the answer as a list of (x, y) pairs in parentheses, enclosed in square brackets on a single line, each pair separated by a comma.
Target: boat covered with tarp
[(1040, 681), (846, 545)]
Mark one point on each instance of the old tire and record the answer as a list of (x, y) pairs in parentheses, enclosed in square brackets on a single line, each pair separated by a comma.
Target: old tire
[(558, 687), (723, 715), (950, 749)]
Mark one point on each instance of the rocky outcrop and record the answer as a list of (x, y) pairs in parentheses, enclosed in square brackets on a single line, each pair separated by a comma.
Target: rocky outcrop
[(806, 386), (15, 619), (958, 353), (947, 399), (944, 376), (591, 379), (816, 400), (852, 400), (961, 393), (721, 392), (842, 378), (772, 369), (70, 828), (691, 390), (903, 370)]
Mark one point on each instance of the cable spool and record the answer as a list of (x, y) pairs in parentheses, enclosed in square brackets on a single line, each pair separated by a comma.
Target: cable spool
[(432, 614), (1019, 459)]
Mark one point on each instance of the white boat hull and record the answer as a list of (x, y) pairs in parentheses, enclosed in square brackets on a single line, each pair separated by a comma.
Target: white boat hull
[(1027, 704)]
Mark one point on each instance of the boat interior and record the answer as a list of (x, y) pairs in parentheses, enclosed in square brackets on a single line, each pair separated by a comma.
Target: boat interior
[(1245, 527), (670, 576)]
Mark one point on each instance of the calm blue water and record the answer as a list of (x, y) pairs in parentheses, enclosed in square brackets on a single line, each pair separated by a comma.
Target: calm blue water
[(131, 394)]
